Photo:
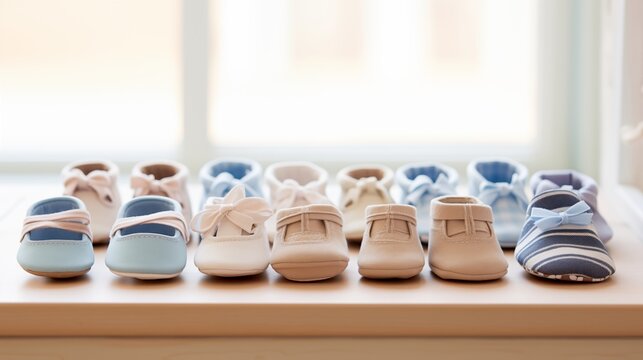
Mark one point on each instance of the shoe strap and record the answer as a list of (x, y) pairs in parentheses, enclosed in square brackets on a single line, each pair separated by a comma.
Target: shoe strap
[(305, 214), (98, 181), (390, 215), (76, 220), (169, 218)]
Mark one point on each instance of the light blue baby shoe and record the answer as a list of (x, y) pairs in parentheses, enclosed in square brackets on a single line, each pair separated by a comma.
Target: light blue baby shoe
[(419, 184), (149, 239), (56, 239), (220, 176), (500, 183)]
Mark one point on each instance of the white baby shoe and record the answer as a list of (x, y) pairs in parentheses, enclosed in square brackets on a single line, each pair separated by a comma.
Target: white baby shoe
[(234, 238), (163, 178), (362, 186), (95, 183)]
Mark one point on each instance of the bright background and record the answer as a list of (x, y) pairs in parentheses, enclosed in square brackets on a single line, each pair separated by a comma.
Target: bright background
[(331, 81)]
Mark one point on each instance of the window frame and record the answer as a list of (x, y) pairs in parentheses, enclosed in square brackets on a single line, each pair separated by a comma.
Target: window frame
[(555, 109)]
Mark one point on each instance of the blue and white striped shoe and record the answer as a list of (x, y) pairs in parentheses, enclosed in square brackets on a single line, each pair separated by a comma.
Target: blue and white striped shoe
[(560, 242)]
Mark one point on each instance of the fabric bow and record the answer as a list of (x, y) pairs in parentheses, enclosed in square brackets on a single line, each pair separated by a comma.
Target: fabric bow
[(146, 184), (98, 181), (422, 185), (364, 185), (234, 207), (579, 214), (291, 190), (223, 184), (490, 192)]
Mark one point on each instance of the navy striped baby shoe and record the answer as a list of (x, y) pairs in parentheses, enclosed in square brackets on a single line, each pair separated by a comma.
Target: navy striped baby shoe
[(559, 241)]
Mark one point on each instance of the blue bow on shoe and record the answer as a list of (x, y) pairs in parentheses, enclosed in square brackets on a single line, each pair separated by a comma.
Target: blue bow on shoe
[(422, 185), (491, 191), (579, 214), (224, 182)]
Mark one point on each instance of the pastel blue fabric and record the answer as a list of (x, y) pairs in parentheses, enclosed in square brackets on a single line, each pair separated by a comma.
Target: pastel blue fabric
[(153, 249), (559, 240), (219, 176), (578, 182), (500, 183), (419, 184), (55, 250)]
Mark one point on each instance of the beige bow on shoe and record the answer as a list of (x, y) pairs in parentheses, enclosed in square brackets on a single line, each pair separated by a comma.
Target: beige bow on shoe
[(236, 208), (97, 180), (291, 190), (146, 184), (364, 185)]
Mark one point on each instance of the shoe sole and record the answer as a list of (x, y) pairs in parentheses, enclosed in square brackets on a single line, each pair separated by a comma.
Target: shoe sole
[(450, 275), (310, 271), (390, 273), (143, 276), (231, 273), (566, 277), (58, 274)]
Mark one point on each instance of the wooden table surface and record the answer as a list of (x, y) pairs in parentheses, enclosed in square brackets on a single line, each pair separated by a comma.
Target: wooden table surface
[(103, 304)]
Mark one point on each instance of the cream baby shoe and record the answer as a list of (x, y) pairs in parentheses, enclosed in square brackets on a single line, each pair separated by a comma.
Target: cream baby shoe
[(294, 184), (163, 178), (391, 247), (95, 183), (309, 244), (462, 242), (362, 185), (234, 239)]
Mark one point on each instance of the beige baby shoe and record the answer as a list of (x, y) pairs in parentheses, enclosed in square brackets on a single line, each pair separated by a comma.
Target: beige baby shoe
[(95, 183), (362, 185), (309, 244), (462, 242), (234, 239), (293, 184), (163, 178), (391, 247)]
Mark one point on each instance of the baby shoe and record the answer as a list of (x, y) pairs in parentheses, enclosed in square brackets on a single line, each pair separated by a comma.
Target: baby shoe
[(96, 185), (163, 178), (463, 244), (149, 239), (501, 185), (362, 185), (559, 240), (309, 244), (220, 176), (56, 239), (419, 184), (294, 184), (234, 238), (391, 247), (581, 184)]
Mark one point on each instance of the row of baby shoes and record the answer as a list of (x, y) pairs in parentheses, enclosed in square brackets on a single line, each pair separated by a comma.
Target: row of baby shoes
[(96, 185), (148, 233), (462, 246), (564, 235), (148, 238), (308, 245)]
